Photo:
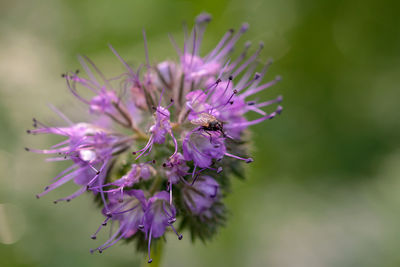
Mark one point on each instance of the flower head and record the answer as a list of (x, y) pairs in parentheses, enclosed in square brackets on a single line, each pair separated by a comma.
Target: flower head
[(175, 126)]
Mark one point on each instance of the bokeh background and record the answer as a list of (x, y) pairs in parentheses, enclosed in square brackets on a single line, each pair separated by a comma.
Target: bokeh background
[(324, 189)]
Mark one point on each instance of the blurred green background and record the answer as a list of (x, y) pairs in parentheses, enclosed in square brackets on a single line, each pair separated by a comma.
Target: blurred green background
[(324, 189)]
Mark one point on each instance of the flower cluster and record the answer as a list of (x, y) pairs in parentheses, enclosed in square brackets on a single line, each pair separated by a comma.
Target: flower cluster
[(163, 140)]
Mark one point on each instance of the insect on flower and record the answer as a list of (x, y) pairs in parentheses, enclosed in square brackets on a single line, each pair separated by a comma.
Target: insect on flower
[(208, 122)]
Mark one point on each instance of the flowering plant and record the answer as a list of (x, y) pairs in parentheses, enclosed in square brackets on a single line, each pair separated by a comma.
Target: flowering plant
[(164, 140)]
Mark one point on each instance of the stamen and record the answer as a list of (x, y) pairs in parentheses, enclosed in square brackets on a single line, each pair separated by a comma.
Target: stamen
[(146, 50), (248, 160), (61, 115), (104, 223), (171, 218), (170, 193), (87, 70), (234, 93), (175, 143), (221, 43), (123, 62), (179, 235), (147, 147), (268, 117), (262, 87), (267, 103), (70, 197), (93, 168), (149, 244), (241, 57), (209, 88), (194, 180), (250, 60), (255, 78), (171, 38), (228, 47)]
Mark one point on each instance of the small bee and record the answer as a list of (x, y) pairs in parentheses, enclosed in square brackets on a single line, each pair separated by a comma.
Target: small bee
[(209, 123)]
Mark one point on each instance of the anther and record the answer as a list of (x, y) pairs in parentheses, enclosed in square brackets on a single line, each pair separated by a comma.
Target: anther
[(140, 226), (164, 165), (77, 71), (26, 149), (93, 237), (104, 223), (68, 199), (100, 251), (245, 27), (204, 17), (261, 44), (150, 261), (251, 103), (28, 131), (134, 153), (55, 202), (172, 220), (219, 170), (249, 160), (37, 196), (230, 77), (62, 75), (257, 76), (153, 161), (218, 81), (231, 30), (180, 237), (46, 188), (278, 78), (172, 101)]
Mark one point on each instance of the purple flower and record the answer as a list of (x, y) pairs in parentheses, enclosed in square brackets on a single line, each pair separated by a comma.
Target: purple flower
[(202, 149), (159, 130), (202, 195), (180, 120), (176, 168), (138, 172), (90, 149), (159, 215), (129, 213)]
